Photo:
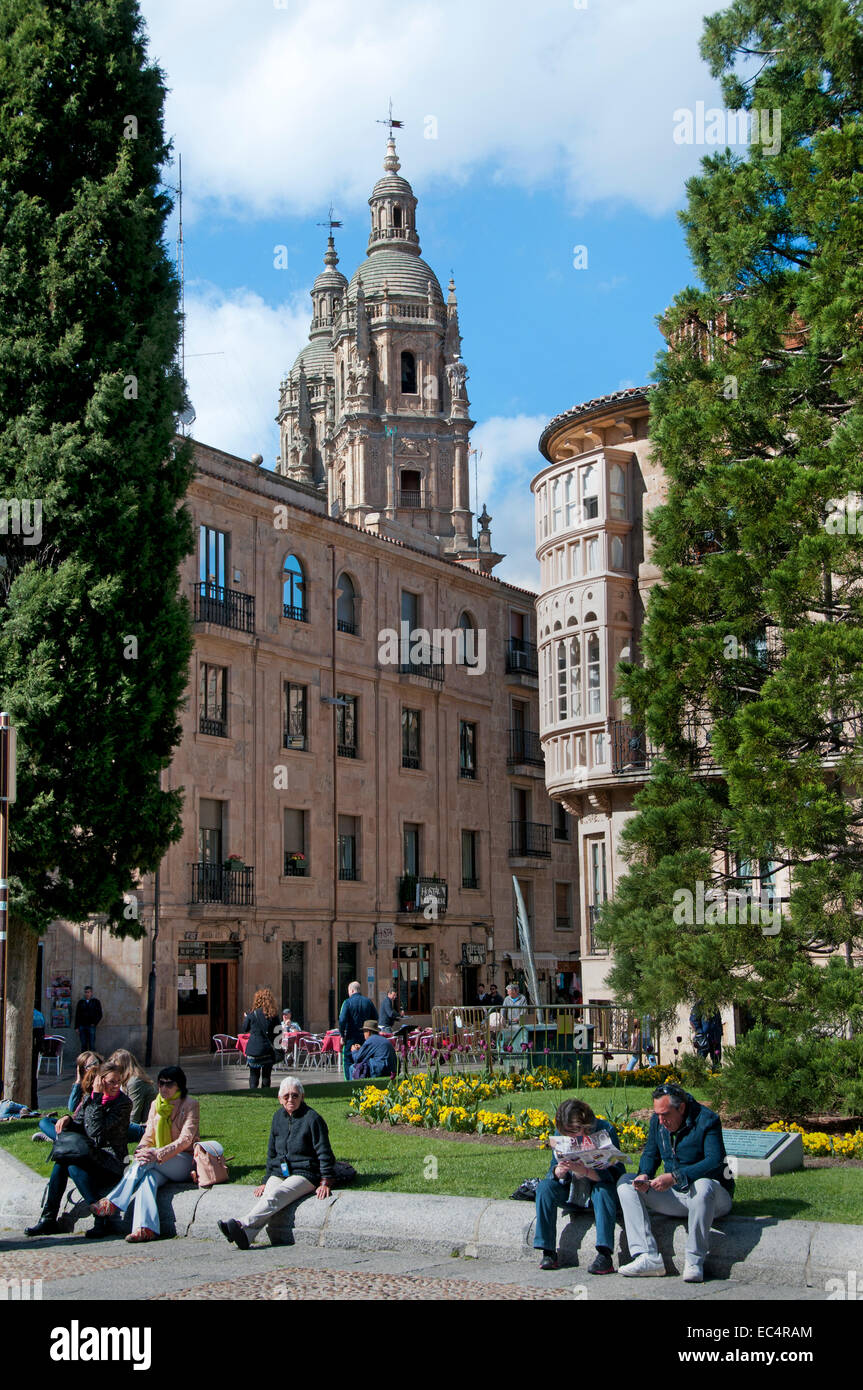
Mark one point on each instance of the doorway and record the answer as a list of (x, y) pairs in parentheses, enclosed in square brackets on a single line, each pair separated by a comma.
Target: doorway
[(346, 970)]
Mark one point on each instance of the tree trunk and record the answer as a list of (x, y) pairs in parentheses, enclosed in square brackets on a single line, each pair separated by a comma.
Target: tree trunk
[(22, 950)]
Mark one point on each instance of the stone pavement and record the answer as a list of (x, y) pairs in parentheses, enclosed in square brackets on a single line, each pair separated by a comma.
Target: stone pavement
[(72, 1270), (387, 1231)]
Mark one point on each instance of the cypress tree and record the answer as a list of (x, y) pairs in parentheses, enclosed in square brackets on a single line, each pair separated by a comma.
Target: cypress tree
[(94, 640), (752, 674)]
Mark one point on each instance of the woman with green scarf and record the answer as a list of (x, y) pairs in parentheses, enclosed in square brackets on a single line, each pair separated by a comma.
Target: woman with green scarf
[(163, 1155)]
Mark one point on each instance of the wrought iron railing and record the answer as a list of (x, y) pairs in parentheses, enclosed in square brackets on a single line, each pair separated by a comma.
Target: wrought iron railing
[(226, 607), (529, 840), (213, 883), (525, 747), (521, 657)]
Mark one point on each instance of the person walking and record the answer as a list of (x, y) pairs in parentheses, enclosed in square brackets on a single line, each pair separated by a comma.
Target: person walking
[(261, 1023), (353, 1014), (88, 1016)]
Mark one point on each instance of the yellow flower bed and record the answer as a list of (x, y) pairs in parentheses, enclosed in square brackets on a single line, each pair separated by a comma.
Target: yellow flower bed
[(455, 1102), (817, 1144)]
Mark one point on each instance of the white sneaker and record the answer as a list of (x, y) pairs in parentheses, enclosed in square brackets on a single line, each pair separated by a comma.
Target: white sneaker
[(40, 1138), (693, 1273), (643, 1266)]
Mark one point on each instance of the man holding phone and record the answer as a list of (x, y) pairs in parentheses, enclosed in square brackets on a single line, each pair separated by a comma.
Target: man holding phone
[(687, 1138)]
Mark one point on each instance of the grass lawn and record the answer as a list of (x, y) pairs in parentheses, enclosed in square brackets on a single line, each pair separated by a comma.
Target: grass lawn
[(395, 1159)]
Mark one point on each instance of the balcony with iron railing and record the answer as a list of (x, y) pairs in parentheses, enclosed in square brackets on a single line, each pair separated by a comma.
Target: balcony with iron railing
[(525, 748), (429, 665), (633, 752), (521, 657), (529, 840), (414, 894), (225, 607), (213, 883), (346, 625), (410, 498), (346, 750)]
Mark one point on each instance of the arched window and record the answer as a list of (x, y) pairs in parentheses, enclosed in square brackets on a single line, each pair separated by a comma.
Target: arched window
[(294, 591), (409, 374), (397, 216), (617, 491), (466, 650), (594, 675), (346, 604)]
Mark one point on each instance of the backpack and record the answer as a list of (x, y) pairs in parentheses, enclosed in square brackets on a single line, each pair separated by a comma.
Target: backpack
[(210, 1166)]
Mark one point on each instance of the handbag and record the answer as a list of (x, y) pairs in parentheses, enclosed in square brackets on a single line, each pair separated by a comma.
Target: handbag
[(210, 1166), (70, 1146)]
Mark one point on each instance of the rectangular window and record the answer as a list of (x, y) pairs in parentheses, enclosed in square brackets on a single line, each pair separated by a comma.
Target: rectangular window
[(411, 840), (296, 855), (592, 556), (571, 503), (555, 505), (349, 858), (594, 675), (563, 906), (411, 724), (210, 825), (469, 872), (411, 973), (575, 560), (560, 820), (296, 697), (346, 725), (467, 750), (597, 875), (213, 558), (213, 718), (590, 492)]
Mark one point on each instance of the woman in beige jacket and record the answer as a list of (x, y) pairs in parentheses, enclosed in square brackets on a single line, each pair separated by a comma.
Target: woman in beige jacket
[(163, 1155)]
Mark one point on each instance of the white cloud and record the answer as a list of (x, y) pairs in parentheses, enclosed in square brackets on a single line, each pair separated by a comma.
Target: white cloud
[(273, 108), (237, 350), (510, 460)]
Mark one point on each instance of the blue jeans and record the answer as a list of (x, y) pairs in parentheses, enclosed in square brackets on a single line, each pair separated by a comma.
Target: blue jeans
[(347, 1059), (551, 1194), (48, 1127), (141, 1185), (92, 1182), (87, 1035), (136, 1132)]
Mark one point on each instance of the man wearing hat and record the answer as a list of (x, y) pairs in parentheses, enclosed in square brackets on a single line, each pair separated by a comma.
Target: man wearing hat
[(376, 1056)]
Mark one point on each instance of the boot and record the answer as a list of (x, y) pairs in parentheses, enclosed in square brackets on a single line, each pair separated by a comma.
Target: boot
[(102, 1226), (47, 1225)]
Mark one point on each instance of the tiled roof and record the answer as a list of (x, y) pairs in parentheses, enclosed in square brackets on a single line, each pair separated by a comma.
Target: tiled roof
[(629, 393)]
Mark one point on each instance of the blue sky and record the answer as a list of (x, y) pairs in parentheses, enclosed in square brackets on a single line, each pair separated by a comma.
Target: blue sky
[(551, 127)]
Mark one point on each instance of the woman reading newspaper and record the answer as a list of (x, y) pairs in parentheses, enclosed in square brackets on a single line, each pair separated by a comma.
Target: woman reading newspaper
[(585, 1162)]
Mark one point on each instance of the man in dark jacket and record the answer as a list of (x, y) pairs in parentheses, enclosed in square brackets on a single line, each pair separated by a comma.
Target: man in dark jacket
[(697, 1184), (88, 1015), (354, 1012), (299, 1161), (390, 1015), (376, 1057)]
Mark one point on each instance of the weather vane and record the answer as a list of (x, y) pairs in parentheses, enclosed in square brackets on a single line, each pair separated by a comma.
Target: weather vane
[(329, 223), (393, 124)]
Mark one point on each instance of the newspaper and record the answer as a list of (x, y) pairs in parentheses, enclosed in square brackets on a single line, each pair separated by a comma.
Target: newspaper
[(593, 1150)]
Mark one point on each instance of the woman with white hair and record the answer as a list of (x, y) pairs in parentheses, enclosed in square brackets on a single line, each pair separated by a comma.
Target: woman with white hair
[(299, 1161)]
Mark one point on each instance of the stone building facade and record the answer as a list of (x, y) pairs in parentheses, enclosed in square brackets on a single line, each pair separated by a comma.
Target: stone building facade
[(360, 759)]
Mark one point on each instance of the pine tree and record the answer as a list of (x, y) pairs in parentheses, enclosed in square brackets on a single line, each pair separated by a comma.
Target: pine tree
[(94, 640), (753, 641)]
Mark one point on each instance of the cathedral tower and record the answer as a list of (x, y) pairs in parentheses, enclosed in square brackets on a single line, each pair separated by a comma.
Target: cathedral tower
[(375, 409)]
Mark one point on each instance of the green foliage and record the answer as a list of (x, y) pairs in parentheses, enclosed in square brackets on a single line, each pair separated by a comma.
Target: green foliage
[(754, 636), (89, 392), (771, 1076)]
